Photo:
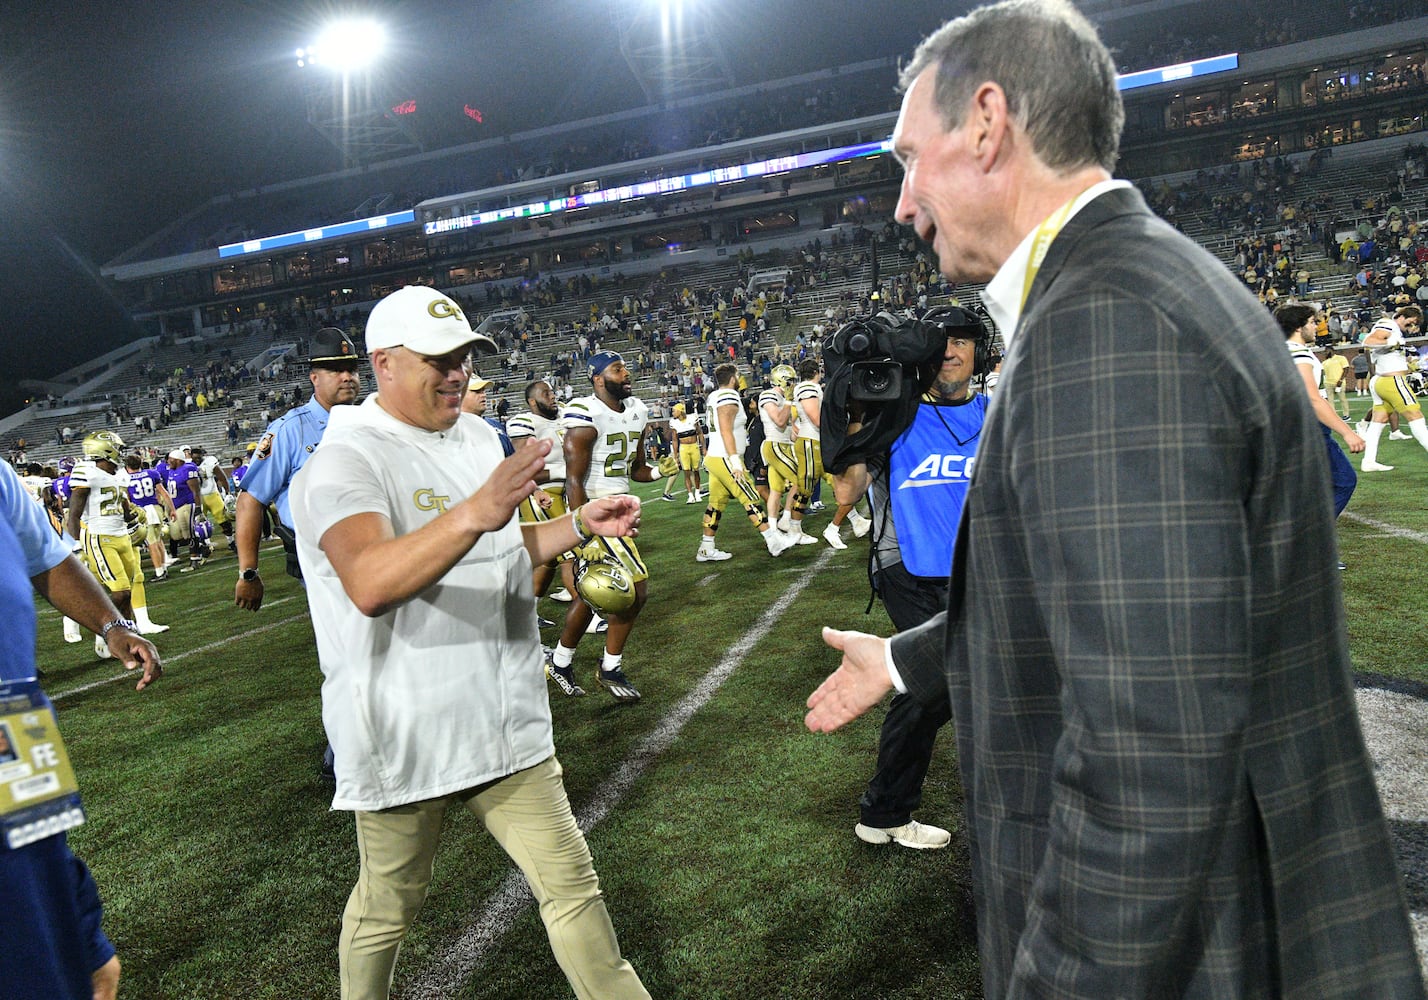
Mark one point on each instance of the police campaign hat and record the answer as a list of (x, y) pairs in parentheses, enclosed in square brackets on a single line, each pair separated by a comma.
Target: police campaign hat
[(331, 348)]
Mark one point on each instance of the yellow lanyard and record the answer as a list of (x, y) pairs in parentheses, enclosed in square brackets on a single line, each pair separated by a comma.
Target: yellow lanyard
[(1045, 234)]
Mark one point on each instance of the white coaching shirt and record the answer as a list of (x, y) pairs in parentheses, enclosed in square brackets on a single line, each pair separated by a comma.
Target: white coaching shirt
[(446, 691)]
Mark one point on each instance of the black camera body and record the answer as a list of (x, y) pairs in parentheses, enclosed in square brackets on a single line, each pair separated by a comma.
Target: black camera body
[(877, 368)]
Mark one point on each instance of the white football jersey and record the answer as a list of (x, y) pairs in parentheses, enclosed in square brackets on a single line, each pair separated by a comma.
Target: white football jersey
[(807, 391), (207, 485), (103, 512), (533, 425), (1388, 357), (718, 399), (617, 436), (772, 431)]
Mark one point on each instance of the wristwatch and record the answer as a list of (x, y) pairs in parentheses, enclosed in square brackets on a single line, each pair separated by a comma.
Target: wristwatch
[(248, 575), (110, 626)]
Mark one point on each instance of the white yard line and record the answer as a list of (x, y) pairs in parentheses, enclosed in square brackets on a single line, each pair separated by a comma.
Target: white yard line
[(1386, 528), (502, 908), (171, 660)]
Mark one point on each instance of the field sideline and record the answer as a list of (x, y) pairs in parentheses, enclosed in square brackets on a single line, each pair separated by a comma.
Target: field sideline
[(727, 854)]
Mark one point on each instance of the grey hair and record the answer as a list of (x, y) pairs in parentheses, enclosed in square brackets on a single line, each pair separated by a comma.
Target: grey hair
[(1059, 79)]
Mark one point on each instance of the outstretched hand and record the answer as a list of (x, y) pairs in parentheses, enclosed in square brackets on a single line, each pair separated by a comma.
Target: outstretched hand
[(510, 483), (614, 517), (134, 651), (859, 683)]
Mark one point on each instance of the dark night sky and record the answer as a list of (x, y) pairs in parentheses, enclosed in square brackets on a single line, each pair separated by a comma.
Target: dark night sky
[(116, 120)]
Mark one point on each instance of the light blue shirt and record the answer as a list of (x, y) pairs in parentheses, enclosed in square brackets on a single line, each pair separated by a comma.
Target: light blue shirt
[(288, 443), (28, 547)]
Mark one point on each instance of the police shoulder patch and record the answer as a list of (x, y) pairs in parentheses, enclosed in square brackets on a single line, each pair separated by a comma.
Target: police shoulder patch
[(265, 447)]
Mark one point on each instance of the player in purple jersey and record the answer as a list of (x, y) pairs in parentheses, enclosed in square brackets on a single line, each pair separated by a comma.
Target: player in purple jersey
[(146, 491), (181, 481)]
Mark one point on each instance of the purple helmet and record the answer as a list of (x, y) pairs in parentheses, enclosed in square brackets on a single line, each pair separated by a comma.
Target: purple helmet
[(66, 465), (202, 529)]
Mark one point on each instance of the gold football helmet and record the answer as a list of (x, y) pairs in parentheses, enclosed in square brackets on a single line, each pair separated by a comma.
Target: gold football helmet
[(605, 585), (783, 377), (103, 445)]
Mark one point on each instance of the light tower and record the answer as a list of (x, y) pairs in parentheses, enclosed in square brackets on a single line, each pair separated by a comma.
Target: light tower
[(348, 97), (672, 48)]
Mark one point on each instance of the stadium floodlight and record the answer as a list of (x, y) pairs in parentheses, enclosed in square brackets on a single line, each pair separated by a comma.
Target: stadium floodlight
[(347, 46)]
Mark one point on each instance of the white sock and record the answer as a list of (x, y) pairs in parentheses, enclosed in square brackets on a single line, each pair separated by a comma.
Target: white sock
[(611, 661), (141, 616), (706, 543), (1375, 431), (562, 655), (1419, 429)]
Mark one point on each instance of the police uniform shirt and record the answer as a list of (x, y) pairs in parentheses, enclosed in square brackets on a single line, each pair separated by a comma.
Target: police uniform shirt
[(288, 443)]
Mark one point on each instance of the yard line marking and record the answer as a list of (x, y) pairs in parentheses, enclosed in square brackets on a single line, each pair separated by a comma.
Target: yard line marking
[(1386, 528), (501, 909), (191, 652)]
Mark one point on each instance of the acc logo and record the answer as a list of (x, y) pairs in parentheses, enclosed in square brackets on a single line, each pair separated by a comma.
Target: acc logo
[(430, 500), (939, 470), (265, 446), (445, 309)]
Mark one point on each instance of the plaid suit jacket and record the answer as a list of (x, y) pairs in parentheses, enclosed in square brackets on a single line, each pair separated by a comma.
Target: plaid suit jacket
[(1167, 789)]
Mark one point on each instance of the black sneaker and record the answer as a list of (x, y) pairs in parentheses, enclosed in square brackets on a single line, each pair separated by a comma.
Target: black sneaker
[(618, 685), (544, 622), (564, 678), (667, 496)]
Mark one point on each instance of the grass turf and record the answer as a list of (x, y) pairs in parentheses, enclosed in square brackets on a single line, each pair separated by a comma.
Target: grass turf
[(729, 867)]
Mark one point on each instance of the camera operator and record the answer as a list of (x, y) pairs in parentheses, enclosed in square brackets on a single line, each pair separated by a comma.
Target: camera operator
[(913, 533)]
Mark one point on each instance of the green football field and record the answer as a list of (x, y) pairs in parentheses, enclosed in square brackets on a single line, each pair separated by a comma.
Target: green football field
[(721, 828)]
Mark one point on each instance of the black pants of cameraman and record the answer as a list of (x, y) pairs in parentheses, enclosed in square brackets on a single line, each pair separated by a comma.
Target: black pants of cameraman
[(910, 728)]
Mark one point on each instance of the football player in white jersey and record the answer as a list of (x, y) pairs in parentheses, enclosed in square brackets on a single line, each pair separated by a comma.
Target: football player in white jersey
[(727, 476), (604, 449), (1389, 386), (779, 454), (99, 516), (214, 486), (541, 422)]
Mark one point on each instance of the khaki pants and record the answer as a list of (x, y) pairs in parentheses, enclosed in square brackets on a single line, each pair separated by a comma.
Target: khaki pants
[(529, 815)]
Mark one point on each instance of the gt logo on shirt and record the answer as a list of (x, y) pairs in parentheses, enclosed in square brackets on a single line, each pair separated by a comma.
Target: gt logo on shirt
[(938, 470), (430, 500)]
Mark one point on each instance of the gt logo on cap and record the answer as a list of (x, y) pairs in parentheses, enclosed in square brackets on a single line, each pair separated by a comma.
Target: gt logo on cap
[(445, 309)]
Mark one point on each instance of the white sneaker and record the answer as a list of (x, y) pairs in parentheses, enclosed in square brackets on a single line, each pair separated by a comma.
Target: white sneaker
[(149, 628), (597, 625), (860, 524), (691, 498), (72, 632), (712, 555), (101, 649), (831, 536), (562, 595), (911, 834), (815, 506), (777, 542), (1399, 436), (803, 539), (785, 523), (1375, 467)]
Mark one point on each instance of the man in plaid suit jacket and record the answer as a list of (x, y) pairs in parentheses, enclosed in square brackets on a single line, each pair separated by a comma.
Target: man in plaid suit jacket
[(1166, 787)]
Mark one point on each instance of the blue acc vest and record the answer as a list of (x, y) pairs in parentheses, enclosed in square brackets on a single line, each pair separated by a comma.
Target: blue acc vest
[(928, 474)]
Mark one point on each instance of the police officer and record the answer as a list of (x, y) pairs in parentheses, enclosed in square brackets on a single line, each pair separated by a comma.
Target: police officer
[(282, 450)]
